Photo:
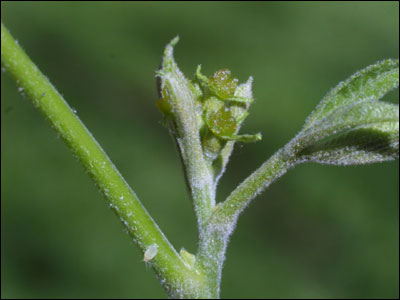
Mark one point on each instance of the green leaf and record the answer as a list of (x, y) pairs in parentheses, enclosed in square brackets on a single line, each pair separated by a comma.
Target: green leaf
[(350, 125), (364, 132), (371, 83)]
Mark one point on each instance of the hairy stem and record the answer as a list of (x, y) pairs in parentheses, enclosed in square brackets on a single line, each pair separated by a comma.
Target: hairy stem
[(215, 238), (185, 130), (228, 212), (176, 277)]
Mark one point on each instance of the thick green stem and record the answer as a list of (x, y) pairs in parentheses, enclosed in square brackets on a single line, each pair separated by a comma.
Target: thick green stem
[(176, 277)]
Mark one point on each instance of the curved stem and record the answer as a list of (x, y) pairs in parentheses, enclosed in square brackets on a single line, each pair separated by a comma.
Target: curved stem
[(228, 212), (177, 278)]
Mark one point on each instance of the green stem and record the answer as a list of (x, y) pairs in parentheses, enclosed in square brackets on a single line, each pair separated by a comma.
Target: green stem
[(256, 183), (185, 129), (176, 277), (213, 242)]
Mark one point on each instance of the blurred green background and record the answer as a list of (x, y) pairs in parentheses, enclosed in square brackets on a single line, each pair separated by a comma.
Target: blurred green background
[(319, 232)]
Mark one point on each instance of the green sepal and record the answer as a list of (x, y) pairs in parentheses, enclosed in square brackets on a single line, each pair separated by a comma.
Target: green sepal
[(164, 106), (220, 85), (224, 125)]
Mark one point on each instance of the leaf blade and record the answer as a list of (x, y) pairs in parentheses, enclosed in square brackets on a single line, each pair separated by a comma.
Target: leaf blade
[(364, 132), (371, 83)]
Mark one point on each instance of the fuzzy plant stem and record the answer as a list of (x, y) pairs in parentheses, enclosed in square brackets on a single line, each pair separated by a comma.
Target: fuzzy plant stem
[(176, 277), (185, 128), (222, 223)]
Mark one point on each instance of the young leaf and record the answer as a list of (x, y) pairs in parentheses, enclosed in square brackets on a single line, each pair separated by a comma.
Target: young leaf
[(350, 125), (365, 132), (371, 83)]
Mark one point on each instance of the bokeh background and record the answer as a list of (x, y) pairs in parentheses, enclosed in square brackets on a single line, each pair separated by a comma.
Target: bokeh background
[(319, 232)]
